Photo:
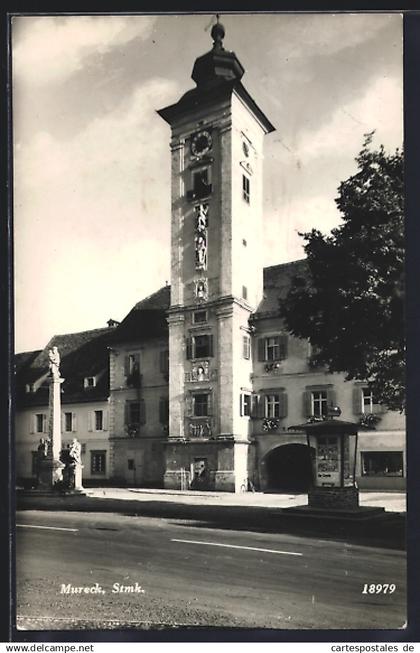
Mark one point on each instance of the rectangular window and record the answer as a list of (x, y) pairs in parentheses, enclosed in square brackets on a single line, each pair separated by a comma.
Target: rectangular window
[(244, 292), (272, 406), (272, 349), (130, 464), (98, 462), (34, 463), (201, 405), (199, 317), (245, 405), (200, 346), (99, 420), (367, 401), (201, 183), (68, 422), (90, 382), (382, 463), (319, 403), (134, 412), (246, 347), (246, 188), (40, 423), (164, 361)]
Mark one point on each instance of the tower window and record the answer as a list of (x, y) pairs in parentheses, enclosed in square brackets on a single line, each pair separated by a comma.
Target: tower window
[(200, 346), (201, 405), (201, 184), (246, 188), (199, 317)]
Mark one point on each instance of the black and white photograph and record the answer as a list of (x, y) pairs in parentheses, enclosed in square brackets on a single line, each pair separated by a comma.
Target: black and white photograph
[(209, 331)]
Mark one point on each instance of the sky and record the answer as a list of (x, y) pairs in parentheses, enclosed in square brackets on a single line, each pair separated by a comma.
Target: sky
[(91, 155)]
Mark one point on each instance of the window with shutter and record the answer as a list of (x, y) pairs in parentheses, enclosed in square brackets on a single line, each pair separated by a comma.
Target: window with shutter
[(307, 404), (142, 410), (246, 347), (357, 400), (283, 404)]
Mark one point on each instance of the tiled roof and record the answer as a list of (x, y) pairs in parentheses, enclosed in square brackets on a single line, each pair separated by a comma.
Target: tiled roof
[(147, 319), (82, 354), (277, 281)]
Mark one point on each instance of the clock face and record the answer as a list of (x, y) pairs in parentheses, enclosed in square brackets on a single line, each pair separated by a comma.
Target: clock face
[(201, 143)]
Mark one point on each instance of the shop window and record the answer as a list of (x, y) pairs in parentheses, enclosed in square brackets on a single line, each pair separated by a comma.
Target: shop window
[(382, 463), (98, 462)]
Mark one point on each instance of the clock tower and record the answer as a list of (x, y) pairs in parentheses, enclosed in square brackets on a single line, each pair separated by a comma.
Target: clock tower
[(217, 132)]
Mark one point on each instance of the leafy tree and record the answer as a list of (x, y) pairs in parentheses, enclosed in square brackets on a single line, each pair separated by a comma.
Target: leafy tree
[(350, 304)]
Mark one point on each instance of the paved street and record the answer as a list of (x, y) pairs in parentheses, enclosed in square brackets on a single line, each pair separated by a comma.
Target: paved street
[(187, 574)]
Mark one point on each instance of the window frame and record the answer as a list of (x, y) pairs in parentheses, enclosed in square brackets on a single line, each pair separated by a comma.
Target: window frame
[(272, 405), (200, 190), (68, 414), (363, 464), (206, 404), (246, 404), (96, 413), (194, 319), (246, 347), (320, 401), (96, 454), (42, 422)]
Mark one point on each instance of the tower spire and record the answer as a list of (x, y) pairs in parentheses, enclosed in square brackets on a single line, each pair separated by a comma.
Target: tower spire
[(218, 34)]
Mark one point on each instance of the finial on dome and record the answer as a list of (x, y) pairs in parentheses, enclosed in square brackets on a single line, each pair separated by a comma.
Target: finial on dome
[(218, 34)]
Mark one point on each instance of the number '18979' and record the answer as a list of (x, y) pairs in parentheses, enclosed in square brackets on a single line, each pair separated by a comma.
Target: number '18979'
[(379, 588)]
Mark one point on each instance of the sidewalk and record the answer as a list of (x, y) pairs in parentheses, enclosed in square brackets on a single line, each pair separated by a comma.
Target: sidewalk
[(391, 501)]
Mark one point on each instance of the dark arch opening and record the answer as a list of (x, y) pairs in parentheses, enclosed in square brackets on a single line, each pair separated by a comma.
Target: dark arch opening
[(288, 468)]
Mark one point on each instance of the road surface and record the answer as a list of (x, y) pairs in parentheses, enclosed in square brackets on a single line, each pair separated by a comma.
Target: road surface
[(181, 574)]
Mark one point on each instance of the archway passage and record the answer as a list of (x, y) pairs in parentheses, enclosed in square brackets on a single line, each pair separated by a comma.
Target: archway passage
[(288, 469)]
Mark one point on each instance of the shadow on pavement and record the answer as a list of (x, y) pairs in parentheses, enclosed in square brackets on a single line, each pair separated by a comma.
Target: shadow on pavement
[(387, 531)]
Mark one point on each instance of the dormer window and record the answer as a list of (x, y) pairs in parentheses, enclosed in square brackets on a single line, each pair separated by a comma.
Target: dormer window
[(90, 382)]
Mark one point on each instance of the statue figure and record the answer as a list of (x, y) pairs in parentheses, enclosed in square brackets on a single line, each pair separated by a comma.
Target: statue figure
[(54, 358), (75, 452), (201, 215), (200, 252), (42, 454), (201, 289)]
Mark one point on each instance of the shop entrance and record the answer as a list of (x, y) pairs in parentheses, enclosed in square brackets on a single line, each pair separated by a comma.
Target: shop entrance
[(288, 469)]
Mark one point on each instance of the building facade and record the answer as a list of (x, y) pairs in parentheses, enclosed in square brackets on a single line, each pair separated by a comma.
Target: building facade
[(200, 383)]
